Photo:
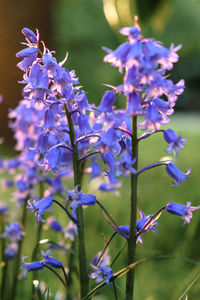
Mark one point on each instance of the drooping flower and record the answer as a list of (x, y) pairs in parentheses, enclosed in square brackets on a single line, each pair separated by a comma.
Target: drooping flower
[(39, 207), (48, 260), (55, 225), (184, 211), (11, 250), (77, 198), (13, 232), (174, 141), (101, 272), (34, 266), (176, 174)]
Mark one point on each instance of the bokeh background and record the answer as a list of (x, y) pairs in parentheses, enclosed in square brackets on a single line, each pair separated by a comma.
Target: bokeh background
[(81, 28)]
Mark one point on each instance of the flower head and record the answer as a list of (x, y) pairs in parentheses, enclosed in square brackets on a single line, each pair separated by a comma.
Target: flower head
[(184, 211), (173, 141), (48, 260), (34, 266), (176, 174), (101, 272)]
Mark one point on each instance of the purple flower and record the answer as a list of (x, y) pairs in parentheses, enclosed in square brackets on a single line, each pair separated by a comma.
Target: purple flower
[(29, 56), (48, 260), (174, 141), (176, 174), (11, 250), (134, 106), (34, 266), (13, 232), (3, 209), (101, 272), (30, 35), (55, 225), (184, 211), (77, 199), (71, 231), (39, 207), (106, 102)]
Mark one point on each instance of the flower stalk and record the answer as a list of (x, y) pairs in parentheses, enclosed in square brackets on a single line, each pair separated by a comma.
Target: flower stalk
[(81, 235), (133, 213)]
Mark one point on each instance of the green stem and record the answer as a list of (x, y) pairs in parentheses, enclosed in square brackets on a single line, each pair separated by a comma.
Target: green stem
[(59, 277), (77, 181), (133, 214), (18, 259), (38, 237), (115, 290)]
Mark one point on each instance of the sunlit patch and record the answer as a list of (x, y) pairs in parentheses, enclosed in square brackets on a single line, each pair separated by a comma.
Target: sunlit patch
[(111, 12)]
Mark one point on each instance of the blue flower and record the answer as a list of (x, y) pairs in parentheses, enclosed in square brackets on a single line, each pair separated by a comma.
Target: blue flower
[(101, 272), (176, 174), (29, 56), (77, 199), (13, 232), (71, 231), (30, 35), (11, 250), (39, 207), (3, 209), (48, 260), (134, 106), (174, 141), (34, 266), (55, 225), (107, 102), (181, 210)]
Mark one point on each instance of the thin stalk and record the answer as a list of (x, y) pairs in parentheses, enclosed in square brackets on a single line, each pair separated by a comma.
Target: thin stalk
[(115, 290), (81, 235), (59, 277), (18, 259), (38, 237), (133, 213)]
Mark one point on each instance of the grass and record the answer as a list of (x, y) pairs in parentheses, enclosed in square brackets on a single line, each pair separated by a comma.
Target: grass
[(157, 278)]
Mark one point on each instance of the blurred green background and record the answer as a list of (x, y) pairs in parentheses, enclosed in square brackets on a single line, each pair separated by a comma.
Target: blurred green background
[(82, 28)]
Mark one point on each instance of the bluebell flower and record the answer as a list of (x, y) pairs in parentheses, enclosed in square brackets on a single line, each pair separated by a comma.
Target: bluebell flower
[(49, 118), (11, 250), (42, 143), (140, 225), (175, 142), (184, 211), (30, 35), (13, 232), (34, 266), (22, 185), (71, 231), (101, 272), (176, 174), (55, 225), (134, 106), (3, 209), (107, 102), (83, 123), (95, 169), (76, 199), (29, 56), (51, 261), (39, 207)]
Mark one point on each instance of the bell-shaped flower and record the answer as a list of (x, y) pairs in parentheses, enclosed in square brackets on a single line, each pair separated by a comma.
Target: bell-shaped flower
[(83, 123), (13, 232), (34, 266), (53, 224), (29, 56), (49, 118), (39, 207), (107, 102), (176, 174), (134, 106), (101, 272), (174, 141), (11, 250), (184, 211), (51, 261), (30, 35), (76, 198), (71, 231)]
